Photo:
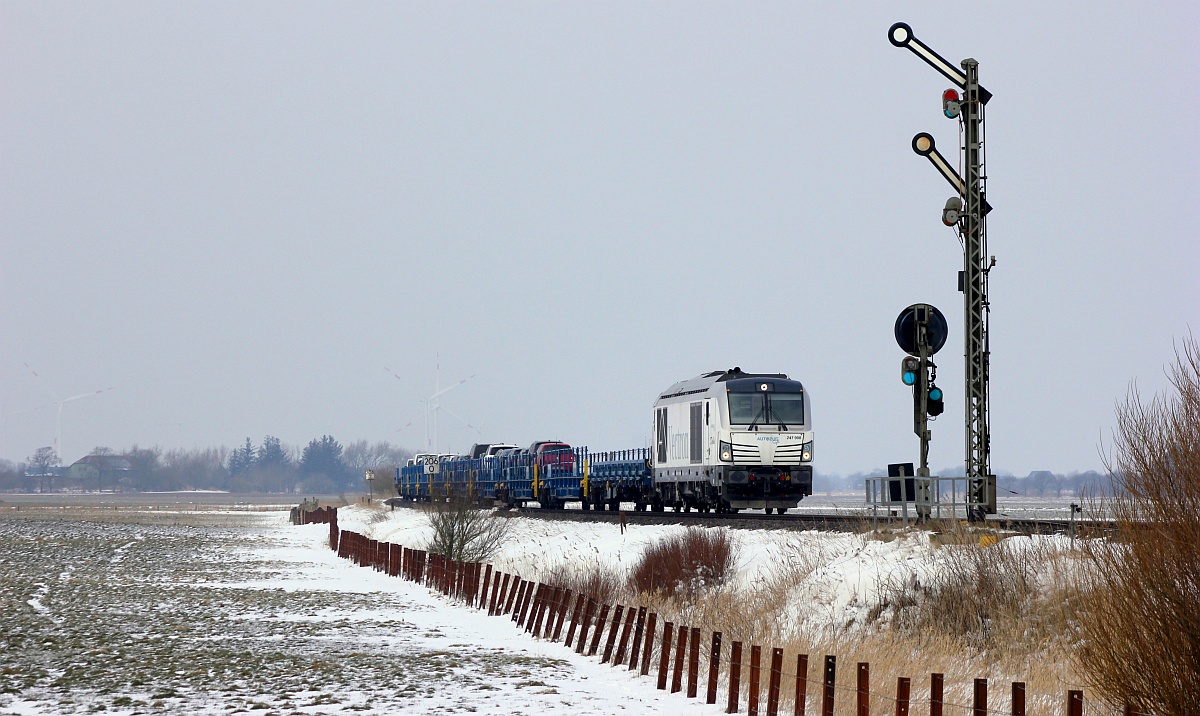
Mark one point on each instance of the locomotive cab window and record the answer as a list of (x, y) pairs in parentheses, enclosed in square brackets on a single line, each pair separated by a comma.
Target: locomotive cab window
[(778, 403)]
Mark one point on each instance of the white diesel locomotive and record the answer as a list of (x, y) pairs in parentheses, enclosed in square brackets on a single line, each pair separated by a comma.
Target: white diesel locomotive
[(731, 440)]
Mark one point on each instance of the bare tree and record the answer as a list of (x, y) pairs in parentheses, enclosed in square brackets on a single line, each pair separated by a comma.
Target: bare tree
[(1141, 630), (42, 463), (464, 532)]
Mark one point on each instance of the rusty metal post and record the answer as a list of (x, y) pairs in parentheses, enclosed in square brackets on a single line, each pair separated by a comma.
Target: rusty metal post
[(755, 673), (680, 645), (665, 655), (801, 684), (903, 689), (714, 668), (830, 685), (735, 677), (693, 661), (1075, 703), (935, 694), (979, 703), (612, 634), (774, 681), (864, 688), (648, 648), (599, 632), (619, 659), (562, 613), (638, 631), (581, 642)]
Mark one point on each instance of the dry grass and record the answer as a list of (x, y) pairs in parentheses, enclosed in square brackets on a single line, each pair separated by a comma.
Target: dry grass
[(1142, 625), (601, 582)]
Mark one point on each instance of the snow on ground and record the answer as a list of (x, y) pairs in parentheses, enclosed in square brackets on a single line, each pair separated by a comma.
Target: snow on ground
[(846, 573), (264, 618)]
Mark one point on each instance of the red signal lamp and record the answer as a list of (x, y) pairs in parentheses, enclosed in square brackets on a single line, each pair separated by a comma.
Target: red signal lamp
[(951, 103)]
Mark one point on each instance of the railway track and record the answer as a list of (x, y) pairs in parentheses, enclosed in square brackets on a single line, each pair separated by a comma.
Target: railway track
[(799, 521)]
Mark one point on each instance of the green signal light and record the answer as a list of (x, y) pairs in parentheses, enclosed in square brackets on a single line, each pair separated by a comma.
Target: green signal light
[(909, 377), (935, 393)]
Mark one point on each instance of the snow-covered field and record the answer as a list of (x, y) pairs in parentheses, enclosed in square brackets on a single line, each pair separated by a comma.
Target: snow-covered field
[(218, 609), (242, 612)]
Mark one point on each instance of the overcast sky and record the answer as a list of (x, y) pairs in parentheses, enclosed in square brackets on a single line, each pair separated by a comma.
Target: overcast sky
[(236, 215)]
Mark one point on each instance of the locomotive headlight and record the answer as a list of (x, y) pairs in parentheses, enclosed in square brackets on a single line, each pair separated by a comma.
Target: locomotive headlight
[(725, 452), (806, 452)]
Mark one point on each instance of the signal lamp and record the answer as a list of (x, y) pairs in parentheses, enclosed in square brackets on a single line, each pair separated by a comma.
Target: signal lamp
[(951, 105), (934, 406), (952, 212), (908, 370)]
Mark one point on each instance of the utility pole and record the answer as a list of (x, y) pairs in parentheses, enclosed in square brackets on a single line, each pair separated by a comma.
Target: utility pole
[(968, 212)]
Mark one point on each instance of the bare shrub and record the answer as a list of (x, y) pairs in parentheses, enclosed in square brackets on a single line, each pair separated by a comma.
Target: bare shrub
[(1142, 628), (464, 532), (687, 563)]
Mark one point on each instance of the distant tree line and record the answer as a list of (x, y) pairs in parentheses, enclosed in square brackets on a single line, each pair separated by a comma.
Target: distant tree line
[(323, 466), (1039, 483)]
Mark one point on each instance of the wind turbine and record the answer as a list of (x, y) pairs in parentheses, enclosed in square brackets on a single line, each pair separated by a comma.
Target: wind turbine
[(433, 404), (59, 405)]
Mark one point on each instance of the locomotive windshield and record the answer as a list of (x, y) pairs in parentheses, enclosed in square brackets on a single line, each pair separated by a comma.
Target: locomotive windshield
[(766, 408)]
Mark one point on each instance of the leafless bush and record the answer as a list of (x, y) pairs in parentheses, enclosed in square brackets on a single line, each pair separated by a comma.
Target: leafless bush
[(687, 563), (464, 532), (1142, 627)]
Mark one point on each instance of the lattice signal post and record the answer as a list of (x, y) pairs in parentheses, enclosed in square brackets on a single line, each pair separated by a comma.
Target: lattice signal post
[(968, 213)]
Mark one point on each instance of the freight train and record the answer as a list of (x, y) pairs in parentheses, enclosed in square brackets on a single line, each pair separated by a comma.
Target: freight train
[(723, 441)]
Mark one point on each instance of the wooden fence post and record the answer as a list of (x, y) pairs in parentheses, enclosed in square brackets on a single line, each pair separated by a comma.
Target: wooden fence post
[(680, 645), (517, 596), (1074, 703), (935, 694), (562, 613), (902, 693), (648, 647), (773, 682), (864, 689), (624, 641), (735, 677), (539, 610), (612, 634), (665, 655), (979, 707), (1018, 698), (801, 684), (575, 615), (599, 632), (581, 642), (556, 597), (830, 685), (714, 668), (487, 584), (525, 603), (638, 631), (693, 661), (755, 672)]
